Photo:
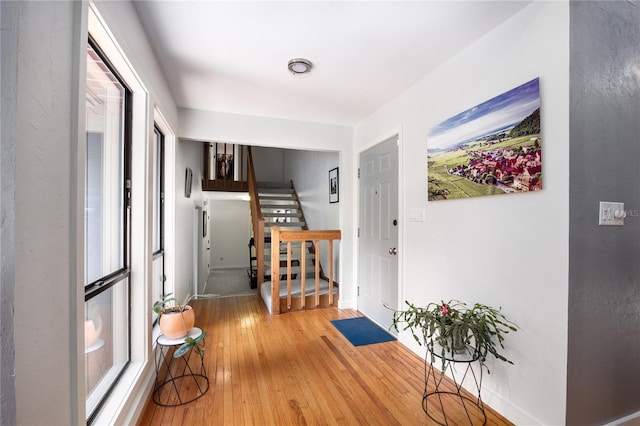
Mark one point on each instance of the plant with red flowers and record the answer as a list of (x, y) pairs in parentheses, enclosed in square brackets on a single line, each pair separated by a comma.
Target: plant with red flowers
[(454, 327)]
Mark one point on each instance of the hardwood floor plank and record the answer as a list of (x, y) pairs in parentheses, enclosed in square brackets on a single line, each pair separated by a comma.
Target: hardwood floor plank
[(297, 369)]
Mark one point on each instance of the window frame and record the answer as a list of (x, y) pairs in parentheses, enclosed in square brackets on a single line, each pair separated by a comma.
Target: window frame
[(159, 163), (111, 279), (121, 406)]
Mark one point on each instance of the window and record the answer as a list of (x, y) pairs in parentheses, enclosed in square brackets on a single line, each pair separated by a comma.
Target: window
[(107, 326), (158, 192), (158, 277)]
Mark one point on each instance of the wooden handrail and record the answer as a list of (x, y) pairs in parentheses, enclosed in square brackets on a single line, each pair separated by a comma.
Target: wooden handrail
[(277, 237), (257, 220)]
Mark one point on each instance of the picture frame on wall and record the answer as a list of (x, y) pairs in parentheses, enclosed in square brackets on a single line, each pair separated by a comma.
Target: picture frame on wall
[(493, 148), (334, 186), (205, 223), (224, 166), (188, 178)]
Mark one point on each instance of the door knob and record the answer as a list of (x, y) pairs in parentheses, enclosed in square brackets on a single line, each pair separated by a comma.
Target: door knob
[(393, 251)]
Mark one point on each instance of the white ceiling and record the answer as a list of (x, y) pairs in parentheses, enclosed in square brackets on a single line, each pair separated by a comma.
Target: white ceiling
[(231, 56)]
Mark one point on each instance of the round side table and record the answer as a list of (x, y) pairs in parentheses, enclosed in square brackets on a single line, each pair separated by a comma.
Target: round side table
[(179, 380), (468, 406)]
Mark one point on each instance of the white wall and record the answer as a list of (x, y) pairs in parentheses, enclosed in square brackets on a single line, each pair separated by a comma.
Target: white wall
[(268, 164), (188, 154), (271, 132), (261, 131), (309, 171), (509, 251), (230, 231)]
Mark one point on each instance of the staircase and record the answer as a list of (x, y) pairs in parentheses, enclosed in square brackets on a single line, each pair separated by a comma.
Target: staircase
[(280, 207)]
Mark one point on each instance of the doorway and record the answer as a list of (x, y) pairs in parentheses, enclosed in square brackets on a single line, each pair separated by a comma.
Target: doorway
[(378, 231), (200, 250)]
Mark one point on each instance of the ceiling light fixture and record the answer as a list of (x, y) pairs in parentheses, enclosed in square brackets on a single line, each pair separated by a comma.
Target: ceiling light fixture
[(299, 66)]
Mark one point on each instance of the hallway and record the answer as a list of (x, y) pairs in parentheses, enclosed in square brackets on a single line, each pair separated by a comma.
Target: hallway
[(229, 282), (297, 369)]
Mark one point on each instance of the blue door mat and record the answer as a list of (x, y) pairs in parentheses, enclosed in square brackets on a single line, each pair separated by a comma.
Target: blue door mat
[(362, 331)]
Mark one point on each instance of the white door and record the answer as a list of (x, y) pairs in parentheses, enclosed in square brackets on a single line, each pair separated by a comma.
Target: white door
[(378, 232)]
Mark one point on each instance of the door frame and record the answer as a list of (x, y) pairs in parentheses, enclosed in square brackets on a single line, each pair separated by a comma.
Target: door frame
[(401, 216)]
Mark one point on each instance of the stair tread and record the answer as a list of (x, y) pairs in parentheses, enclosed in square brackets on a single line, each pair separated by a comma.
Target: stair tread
[(275, 193), (267, 191), (281, 207), (298, 214), (276, 198), (279, 204), (273, 184), (309, 277)]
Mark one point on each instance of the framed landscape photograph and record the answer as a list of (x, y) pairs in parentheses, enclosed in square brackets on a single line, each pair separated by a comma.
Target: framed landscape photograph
[(334, 187), (493, 148)]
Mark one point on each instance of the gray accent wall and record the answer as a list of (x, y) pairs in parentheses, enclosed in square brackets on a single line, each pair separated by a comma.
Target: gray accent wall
[(603, 365)]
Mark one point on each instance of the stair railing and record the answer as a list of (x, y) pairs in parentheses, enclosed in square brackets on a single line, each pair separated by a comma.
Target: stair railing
[(305, 227), (256, 219), (281, 236)]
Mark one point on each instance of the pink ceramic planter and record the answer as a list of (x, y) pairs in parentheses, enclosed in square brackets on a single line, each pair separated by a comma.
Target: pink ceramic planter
[(176, 324)]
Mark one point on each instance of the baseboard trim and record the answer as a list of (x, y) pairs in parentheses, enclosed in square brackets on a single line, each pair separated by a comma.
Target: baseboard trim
[(512, 412), (627, 420), (346, 304), (218, 268)]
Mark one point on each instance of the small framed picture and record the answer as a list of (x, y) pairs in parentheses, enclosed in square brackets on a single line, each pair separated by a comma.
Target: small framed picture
[(187, 182), (334, 186), (205, 223)]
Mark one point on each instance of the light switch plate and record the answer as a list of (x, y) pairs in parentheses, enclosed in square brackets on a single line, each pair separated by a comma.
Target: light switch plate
[(611, 214), (417, 215)]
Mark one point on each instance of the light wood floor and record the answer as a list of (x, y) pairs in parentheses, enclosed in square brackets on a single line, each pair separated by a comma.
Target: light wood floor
[(297, 369)]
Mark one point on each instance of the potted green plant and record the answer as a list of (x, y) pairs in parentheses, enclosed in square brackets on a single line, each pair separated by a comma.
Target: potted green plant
[(455, 327), (174, 318), (191, 342)]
